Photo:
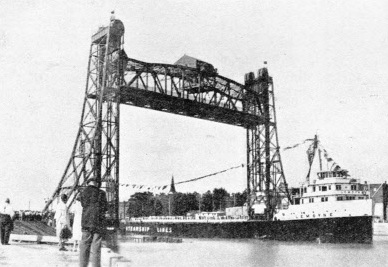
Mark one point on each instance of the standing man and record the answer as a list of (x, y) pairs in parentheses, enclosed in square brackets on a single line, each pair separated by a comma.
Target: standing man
[(6, 227), (62, 219), (94, 204)]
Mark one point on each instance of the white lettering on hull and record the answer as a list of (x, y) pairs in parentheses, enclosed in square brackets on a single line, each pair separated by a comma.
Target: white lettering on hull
[(147, 229), (164, 229), (137, 229)]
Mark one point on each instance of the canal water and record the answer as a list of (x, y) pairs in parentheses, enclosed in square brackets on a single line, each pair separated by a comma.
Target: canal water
[(249, 252)]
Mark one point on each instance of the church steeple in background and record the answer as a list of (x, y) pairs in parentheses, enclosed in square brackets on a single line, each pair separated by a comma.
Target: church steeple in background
[(172, 187)]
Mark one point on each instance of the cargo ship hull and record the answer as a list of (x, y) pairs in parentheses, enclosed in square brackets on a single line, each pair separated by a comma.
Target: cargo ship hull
[(332, 230)]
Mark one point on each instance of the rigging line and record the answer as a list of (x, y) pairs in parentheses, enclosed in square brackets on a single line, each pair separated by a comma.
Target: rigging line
[(212, 174), (296, 145), (190, 180)]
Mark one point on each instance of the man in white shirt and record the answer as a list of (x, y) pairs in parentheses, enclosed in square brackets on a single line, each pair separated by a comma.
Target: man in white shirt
[(7, 214), (62, 219)]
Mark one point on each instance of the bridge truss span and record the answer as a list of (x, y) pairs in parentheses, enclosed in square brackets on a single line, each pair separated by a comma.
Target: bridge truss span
[(186, 91)]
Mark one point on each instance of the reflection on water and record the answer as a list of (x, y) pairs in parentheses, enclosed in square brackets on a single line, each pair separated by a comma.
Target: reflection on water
[(248, 252)]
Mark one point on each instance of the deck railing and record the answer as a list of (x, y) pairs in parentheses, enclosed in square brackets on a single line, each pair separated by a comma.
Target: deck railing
[(189, 218)]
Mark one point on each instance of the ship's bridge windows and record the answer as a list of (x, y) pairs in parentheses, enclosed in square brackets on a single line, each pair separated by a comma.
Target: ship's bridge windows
[(324, 188), (324, 199), (353, 187), (296, 201), (311, 200), (350, 198), (329, 187), (360, 197), (338, 187), (340, 198), (305, 189), (314, 188)]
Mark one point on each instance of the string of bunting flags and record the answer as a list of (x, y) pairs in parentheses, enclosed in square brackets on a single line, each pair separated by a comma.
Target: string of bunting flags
[(296, 145), (311, 150), (142, 187), (153, 188), (329, 159)]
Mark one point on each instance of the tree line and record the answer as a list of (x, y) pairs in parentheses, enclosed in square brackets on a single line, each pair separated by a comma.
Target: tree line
[(179, 204)]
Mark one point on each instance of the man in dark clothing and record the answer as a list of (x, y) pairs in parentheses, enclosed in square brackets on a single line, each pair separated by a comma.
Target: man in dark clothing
[(6, 228), (94, 206), (6, 224)]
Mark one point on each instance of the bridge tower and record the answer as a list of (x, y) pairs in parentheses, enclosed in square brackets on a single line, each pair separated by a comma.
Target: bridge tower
[(265, 175), (96, 148)]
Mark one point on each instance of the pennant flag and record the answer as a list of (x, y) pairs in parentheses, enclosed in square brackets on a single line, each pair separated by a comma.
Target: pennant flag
[(310, 153)]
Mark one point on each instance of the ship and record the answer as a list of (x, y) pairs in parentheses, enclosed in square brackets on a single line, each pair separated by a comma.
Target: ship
[(331, 207)]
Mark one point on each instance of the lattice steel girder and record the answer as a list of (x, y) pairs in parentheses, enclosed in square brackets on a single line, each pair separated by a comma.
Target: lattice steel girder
[(188, 91)]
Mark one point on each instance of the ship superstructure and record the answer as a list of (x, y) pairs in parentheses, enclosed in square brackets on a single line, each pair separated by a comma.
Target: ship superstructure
[(331, 193)]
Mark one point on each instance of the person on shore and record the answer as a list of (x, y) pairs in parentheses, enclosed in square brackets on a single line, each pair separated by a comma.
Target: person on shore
[(94, 204), (77, 230), (62, 220), (6, 217)]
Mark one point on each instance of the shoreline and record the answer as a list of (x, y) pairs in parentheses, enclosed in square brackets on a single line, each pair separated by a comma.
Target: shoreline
[(34, 254)]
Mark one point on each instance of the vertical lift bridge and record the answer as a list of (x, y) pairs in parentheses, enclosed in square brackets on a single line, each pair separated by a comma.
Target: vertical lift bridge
[(196, 91)]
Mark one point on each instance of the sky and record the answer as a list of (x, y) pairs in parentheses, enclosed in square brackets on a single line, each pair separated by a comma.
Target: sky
[(327, 59)]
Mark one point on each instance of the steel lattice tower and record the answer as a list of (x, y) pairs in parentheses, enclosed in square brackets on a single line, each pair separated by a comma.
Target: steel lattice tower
[(264, 166), (96, 149)]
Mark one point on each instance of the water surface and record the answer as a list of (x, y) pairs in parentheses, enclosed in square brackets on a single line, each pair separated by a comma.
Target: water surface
[(250, 252)]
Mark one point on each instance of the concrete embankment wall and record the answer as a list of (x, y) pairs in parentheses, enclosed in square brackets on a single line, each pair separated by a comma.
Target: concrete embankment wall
[(33, 228)]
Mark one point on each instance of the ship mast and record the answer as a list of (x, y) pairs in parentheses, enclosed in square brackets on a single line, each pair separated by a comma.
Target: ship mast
[(310, 156)]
